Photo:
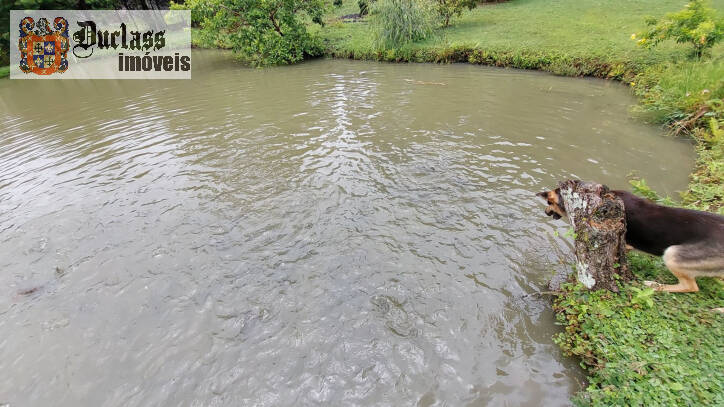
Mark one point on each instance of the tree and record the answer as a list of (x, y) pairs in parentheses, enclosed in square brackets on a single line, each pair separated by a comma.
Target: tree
[(599, 226), (697, 24), (264, 32), (446, 9)]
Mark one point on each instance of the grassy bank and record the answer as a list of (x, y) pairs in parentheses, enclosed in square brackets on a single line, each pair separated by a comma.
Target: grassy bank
[(584, 37), (643, 348), (639, 347), (4, 71)]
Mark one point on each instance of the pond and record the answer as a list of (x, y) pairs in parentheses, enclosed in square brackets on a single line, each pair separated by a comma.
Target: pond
[(336, 232)]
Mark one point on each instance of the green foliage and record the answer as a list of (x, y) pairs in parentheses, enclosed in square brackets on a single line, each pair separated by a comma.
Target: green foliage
[(697, 24), (643, 348), (642, 296), (673, 91), (446, 9), (642, 189), (262, 32), (399, 22), (337, 3), (706, 189), (688, 96)]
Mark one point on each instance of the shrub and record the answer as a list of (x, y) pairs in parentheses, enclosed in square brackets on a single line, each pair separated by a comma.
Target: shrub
[(261, 32), (398, 22), (446, 9), (697, 24)]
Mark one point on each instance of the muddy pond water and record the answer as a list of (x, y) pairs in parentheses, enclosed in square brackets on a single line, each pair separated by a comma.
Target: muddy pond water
[(331, 233)]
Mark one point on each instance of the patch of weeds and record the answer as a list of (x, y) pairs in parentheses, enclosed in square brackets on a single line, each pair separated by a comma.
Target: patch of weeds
[(643, 348)]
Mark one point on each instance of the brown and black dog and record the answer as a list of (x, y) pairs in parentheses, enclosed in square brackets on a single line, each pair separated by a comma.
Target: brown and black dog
[(691, 242)]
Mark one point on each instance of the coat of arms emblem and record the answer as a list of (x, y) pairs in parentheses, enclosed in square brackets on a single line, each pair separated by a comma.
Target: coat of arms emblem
[(43, 51)]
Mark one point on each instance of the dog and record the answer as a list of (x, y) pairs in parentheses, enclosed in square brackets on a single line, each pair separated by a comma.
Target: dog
[(691, 242)]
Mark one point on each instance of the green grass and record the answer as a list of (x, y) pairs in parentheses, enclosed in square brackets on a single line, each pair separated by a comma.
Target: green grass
[(575, 29), (669, 90), (666, 352), (4, 71)]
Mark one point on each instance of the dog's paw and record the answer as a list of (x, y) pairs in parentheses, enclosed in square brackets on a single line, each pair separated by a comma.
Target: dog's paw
[(653, 284)]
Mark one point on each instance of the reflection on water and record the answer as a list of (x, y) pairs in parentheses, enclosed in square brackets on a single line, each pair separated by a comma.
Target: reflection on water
[(335, 232)]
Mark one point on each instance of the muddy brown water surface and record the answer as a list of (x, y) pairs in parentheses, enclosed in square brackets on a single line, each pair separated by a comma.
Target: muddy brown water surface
[(336, 233)]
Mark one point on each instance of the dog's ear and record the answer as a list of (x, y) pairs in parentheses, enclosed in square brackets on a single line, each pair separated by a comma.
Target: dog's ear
[(543, 195)]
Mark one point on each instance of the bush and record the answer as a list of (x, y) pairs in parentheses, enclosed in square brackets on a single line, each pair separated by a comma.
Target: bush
[(398, 22), (261, 32), (446, 9), (643, 348), (697, 24)]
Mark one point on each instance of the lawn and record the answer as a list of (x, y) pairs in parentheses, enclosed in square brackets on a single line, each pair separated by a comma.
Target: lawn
[(575, 28)]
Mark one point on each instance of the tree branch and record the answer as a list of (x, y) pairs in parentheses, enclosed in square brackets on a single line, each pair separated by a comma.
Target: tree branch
[(274, 22), (237, 14)]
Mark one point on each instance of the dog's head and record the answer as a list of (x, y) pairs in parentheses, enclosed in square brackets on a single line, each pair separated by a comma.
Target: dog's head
[(555, 207)]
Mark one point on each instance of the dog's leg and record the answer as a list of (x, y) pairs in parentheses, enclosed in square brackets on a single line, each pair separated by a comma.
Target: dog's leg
[(687, 283)]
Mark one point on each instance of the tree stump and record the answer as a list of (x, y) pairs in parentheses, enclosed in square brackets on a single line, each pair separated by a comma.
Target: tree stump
[(599, 225)]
